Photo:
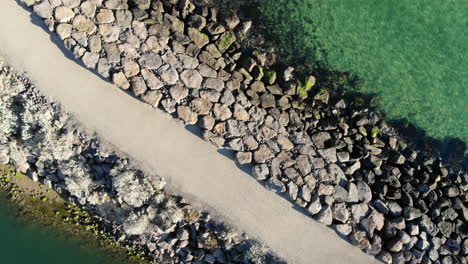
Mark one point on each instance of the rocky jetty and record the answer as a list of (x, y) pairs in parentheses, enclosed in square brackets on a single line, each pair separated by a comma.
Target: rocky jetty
[(331, 155), (42, 141)]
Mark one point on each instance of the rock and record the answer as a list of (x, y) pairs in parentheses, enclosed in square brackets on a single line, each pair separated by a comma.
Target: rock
[(306, 193), (343, 229), (63, 14), (150, 61), (320, 138), (130, 68), (340, 212), (28, 2), (120, 80), (138, 86), (174, 23), (206, 122), (286, 144), (445, 228), (360, 240), (399, 159), (342, 156), (394, 245), (235, 144), (187, 115), (376, 246), (232, 21), (103, 67), (411, 213), (201, 106), (109, 33), (43, 9), (328, 154), (324, 216), (64, 31), (90, 59), (292, 190), (84, 24), (116, 4), (273, 184), (178, 92), (395, 209), (244, 157), (189, 62), (364, 192), (260, 171), (71, 3), (192, 79), (168, 74), (200, 39), (225, 41), (213, 83), (385, 257), (315, 205), (374, 221), (95, 43), (359, 211), (152, 81), (452, 191), (340, 194), (240, 113), (221, 112), (263, 154), (139, 28), (353, 196), (153, 98), (268, 101), (88, 8)]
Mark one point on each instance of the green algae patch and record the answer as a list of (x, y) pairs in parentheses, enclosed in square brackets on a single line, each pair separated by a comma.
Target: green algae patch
[(270, 77), (225, 41)]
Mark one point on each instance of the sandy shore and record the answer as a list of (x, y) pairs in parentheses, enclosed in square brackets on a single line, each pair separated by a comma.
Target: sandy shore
[(194, 168)]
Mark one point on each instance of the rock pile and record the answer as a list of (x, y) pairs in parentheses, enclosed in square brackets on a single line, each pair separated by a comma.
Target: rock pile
[(339, 161), (42, 141)]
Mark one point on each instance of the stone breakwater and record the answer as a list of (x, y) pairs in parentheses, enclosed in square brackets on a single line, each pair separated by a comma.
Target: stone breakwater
[(39, 139), (332, 156)]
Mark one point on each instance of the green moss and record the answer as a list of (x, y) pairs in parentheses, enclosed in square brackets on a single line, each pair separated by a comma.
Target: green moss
[(375, 132), (226, 40), (363, 131), (303, 89), (270, 76)]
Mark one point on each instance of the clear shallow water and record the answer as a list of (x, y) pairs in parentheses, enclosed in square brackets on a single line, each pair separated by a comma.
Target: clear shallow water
[(24, 244), (413, 53)]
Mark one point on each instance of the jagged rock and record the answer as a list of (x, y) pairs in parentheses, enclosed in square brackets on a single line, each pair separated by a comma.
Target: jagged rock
[(187, 115), (120, 80), (84, 24), (315, 205), (200, 39), (201, 106), (191, 79), (263, 154), (240, 113), (178, 92), (168, 74), (374, 221), (213, 83), (292, 190), (268, 101), (206, 122), (260, 171), (359, 211), (320, 139), (43, 9), (325, 215), (153, 82), (275, 184), (360, 240), (364, 192), (244, 157), (64, 31), (150, 61), (90, 59), (221, 112), (340, 212), (153, 98), (328, 154), (138, 85), (63, 14)]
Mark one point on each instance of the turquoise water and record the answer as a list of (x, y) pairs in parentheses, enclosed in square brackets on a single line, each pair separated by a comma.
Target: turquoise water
[(24, 244), (413, 53)]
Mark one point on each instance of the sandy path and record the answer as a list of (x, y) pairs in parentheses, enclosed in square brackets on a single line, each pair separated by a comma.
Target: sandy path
[(193, 167)]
